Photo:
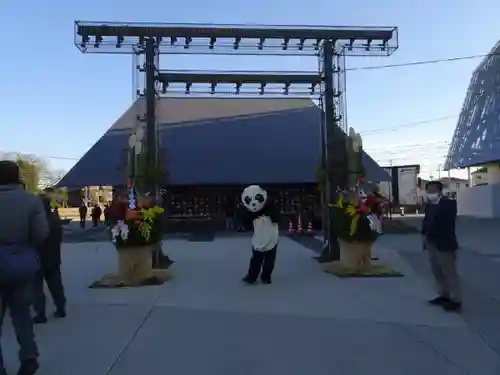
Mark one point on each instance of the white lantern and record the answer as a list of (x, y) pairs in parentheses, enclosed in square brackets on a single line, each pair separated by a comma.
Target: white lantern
[(357, 143), (139, 133), (132, 141), (352, 133)]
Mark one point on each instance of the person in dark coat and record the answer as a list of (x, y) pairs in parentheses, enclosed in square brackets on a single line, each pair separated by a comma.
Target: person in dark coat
[(106, 214), (50, 270), (96, 214), (230, 212), (240, 215), (440, 242), (23, 227), (83, 214)]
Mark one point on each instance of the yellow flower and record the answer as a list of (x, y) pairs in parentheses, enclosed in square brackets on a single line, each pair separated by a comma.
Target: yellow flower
[(145, 229), (350, 210), (148, 217)]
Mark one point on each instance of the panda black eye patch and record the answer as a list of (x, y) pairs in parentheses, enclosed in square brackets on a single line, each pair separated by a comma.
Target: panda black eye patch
[(248, 200), (259, 198)]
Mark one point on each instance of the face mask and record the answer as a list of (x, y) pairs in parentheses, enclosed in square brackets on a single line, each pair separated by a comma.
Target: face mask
[(433, 197)]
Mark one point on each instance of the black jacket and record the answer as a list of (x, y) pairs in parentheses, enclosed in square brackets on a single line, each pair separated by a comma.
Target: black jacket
[(439, 224), (50, 250)]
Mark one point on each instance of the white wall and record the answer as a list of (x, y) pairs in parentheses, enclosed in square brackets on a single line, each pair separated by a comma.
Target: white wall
[(490, 176), (452, 187), (479, 201), (479, 178)]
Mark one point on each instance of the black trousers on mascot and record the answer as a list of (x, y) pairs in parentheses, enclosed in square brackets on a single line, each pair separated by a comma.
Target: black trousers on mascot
[(262, 263)]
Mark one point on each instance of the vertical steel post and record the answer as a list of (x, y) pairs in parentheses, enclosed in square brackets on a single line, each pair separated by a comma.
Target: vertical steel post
[(150, 97), (335, 142)]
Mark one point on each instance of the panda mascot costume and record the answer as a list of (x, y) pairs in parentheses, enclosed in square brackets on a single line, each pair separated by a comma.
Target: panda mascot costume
[(259, 210)]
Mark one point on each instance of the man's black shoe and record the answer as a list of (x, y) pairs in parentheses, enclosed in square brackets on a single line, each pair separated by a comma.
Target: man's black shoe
[(266, 281), (248, 280), (452, 306), (439, 301), (40, 319), (60, 313), (28, 367)]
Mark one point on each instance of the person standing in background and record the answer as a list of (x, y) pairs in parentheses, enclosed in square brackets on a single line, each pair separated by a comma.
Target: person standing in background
[(440, 242), (50, 270), (106, 214), (230, 213), (23, 227), (96, 214), (83, 214)]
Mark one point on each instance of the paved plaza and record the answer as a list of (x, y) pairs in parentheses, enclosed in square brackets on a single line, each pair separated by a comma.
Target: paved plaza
[(205, 322)]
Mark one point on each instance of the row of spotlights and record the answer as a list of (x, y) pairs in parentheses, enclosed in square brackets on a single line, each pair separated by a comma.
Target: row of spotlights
[(238, 86), (236, 44)]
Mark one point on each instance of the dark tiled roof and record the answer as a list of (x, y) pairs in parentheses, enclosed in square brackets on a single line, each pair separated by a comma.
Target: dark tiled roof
[(476, 139), (277, 146)]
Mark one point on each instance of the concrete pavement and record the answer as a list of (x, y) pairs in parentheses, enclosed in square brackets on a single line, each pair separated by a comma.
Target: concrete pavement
[(206, 322)]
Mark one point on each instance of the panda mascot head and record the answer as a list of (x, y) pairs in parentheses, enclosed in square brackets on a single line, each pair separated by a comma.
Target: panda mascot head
[(254, 198), (257, 202)]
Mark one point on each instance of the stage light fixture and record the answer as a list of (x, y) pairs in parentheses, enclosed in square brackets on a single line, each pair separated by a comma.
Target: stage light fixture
[(383, 45), (213, 86), (301, 44), (173, 40), (212, 43), (312, 89), (368, 44), (262, 88), (238, 87), (349, 46), (138, 93), (284, 45), (119, 41), (187, 42), (164, 87), (98, 41), (316, 45), (260, 45), (286, 89), (85, 40), (188, 88), (236, 43)]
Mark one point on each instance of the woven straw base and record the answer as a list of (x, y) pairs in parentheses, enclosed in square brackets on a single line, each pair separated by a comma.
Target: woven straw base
[(157, 277), (371, 270), (134, 269)]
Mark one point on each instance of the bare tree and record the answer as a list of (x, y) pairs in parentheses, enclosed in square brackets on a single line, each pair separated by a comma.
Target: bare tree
[(51, 177), (36, 172)]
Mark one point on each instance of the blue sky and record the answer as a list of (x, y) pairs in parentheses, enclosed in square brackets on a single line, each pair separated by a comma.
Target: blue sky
[(53, 93)]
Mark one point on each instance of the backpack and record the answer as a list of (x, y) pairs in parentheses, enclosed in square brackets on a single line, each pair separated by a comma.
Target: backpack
[(18, 262)]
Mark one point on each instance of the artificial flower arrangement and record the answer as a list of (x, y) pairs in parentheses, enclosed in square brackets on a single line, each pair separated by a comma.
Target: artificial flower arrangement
[(141, 227), (355, 220)]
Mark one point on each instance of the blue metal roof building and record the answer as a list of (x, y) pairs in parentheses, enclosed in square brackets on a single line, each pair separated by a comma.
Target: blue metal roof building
[(476, 139), (219, 142)]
